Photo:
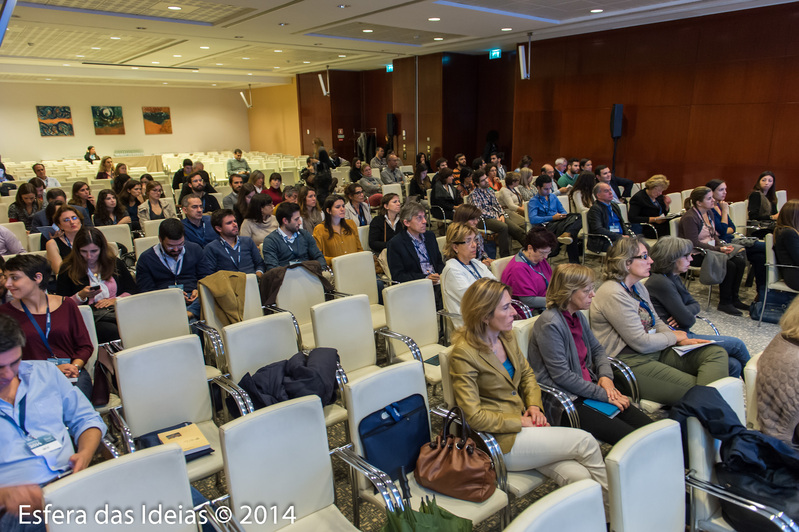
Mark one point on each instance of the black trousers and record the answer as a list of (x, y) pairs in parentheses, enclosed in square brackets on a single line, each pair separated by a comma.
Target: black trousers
[(609, 430)]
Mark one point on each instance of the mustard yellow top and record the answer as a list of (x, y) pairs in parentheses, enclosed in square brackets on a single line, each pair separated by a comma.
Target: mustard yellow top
[(339, 243)]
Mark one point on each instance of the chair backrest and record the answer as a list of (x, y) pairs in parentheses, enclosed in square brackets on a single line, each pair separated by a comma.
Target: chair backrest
[(151, 316), (162, 384), (287, 444), (18, 228), (299, 292), (442, 243), (703, 448), (118, 233), (673, 226), (623, 210), (363, 234), (152, 477), (564, 200), (374, 391), (750, 377), (676, 203), (346, 325), (771, 259), (446, 380), (498, 266), (255, 343), (396, 188), (738, 214), (33, 242), (782, 198), (140, 245), (686, 193), (577, 506), (522, 330), (636, 501), (150, 227), (88, 320), (411, 310), (354, 273), (252, 303)]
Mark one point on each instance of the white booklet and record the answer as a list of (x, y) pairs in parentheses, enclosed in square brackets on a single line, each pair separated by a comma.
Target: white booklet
[(683, 349)]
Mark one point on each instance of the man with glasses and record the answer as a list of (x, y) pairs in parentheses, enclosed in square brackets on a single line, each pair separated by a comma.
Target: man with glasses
[(493, 215), (604, 218), (545, 208)]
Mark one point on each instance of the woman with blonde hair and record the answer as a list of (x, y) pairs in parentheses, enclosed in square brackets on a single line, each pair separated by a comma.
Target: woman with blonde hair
[(625, 322), (650, 206), (257, 179), (565, 354), (106, 168), (462, 268), (497, 390), (525, 187)]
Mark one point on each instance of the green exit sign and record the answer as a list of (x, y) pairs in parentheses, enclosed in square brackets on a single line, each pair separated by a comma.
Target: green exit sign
[(496, 53)]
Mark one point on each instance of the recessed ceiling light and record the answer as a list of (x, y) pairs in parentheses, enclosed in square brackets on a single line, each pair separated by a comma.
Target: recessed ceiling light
[(177, 55), (434, 19), (134, 68), (80, 56), (115, 38), (342, 55), (205, 47), (249, 73), (220, 64), (275, 68), (95, 48), (245, 58), (597, 10), (48, 79), (66, 64), (368, 31), (165, 83), (507, 29), (306, 62), (195, 71), (156, 62), (438, 38), (174, 8), (213, 84), (278, 51)]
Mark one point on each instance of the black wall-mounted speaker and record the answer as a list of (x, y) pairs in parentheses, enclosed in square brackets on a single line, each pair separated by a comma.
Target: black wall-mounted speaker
[(616, 118)]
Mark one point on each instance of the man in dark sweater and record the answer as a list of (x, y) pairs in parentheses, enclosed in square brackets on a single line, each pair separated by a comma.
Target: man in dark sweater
[(290, 243)]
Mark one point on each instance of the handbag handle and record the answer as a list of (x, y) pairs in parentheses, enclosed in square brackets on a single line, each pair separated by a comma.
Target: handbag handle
[(465, 429)]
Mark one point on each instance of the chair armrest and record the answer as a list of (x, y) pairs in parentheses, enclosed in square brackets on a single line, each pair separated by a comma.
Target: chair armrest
[(215, 340), (448, 314), (341, 378), (335, 294), (213, 513), (562, 400), (606, 237), (649, 225), (275, 309), (627, 372), (122, 425), (709, 323), (521, 307), (241, 397), (407, 340), (774, 515), (443, 217), (109, 445), (782, 265), (379, 479)]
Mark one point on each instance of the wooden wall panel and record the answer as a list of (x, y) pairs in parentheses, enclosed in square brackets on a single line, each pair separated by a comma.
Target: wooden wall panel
[(404, 90), (314, 111), (377, 100), (729, 134), (431, 98), (459, 105), (345, 111), (495, 84)]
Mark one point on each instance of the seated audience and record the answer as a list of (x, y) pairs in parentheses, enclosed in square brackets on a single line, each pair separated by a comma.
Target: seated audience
[(568, 177), (566, 355), (581, 195), (197, 225), (392, 173), (311, 212), (420, 183), (120, 177), (308, 174), (180, 176), (485, 355), (155, 207), (336, 235), (198, 188), (762, 207), (53, 326), (25, 205), (624, 321), (379, 162), (290, 244), (651, 206), (290, 194), (69, 222), (462, 268), (510, 197), (146, 178), (604, 175), (274, 190), (172, 263), (472, 215), (445, 197), (9, 243), (356, 209), (109, 210), (605, 218), (371, 185), (82, 197), (207, 186), (676, 306), (246, 193), (386, 225), (528, 273), (130, 198), (231, 252), (69, 418), (775, 385), (257, 179), (41, 217), (546, 208), (355, 170), (526, 188), (491, 173), (493, 216), (229, 201), (106, 169), (237, 165), (786, 243), (258, 222), (697, 226), (755, 253), (93, 275), (91, 155)]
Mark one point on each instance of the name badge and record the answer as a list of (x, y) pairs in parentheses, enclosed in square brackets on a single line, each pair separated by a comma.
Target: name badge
[(652, 331), (178, 286), (43, 444), (616, 228), (293, 262)]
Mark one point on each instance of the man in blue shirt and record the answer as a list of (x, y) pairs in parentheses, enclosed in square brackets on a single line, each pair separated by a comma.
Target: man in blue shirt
[(41, 414), (604, 218), (546, 208), (231, 252), (290, 243), (196, 224)]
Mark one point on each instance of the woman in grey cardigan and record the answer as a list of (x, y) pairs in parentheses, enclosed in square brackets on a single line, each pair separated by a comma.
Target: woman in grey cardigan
[(564, 353), (626, 324)]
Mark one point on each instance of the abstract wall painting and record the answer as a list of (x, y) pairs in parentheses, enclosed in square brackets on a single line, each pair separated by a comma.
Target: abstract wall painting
[(55, 120), (157, 120), (108, 120)]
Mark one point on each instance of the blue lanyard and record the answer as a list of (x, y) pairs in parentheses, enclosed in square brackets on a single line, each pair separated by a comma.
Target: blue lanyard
[(530, 264), (641, 302), (471, 269), (21, 425), (361, 215), (237, 247), (178, 263), (43, 336)]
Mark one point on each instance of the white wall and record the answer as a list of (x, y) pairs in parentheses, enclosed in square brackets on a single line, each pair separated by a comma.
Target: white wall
[(202, 120)]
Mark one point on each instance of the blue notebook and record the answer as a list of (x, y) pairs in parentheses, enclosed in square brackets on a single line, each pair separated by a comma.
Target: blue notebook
[(602, 407)]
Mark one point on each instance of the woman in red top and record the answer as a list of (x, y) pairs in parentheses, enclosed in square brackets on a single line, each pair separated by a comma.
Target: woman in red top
[(53, 326)]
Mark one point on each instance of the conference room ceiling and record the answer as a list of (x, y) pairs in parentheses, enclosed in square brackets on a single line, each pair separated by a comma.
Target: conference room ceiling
[(237, 43)]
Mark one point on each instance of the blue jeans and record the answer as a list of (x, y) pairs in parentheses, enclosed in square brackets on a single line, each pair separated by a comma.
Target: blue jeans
[(735, 347)]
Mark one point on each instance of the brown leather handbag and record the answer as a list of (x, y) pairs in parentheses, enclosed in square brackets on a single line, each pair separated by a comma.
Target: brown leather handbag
[(454, 466)]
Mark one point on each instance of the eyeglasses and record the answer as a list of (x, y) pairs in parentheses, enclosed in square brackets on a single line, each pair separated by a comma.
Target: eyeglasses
[(358, 192), (468, 241), (70, 219), (642, 256)]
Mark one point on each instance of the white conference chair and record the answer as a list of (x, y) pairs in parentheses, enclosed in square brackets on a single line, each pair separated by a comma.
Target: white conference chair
[(18, 229), (354, 273), (576, 507), (150, 227), (118, 233), (299, 292), (773, 277), (363, 235), (499, 265), (140, 245), (252, 306), (88, 320), (750, 378)]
